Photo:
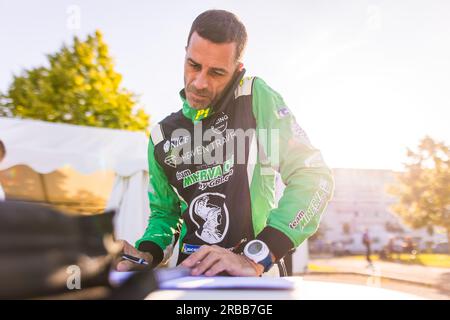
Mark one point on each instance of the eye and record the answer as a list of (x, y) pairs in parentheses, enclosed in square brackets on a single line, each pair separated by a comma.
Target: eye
[(217, 73), (195, 66)]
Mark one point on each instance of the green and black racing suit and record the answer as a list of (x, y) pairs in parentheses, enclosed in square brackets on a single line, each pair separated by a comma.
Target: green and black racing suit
[(232, 201)]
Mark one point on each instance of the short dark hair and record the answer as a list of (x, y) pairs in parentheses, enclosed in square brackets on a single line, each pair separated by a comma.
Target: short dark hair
[(220, 26), (2, 150)]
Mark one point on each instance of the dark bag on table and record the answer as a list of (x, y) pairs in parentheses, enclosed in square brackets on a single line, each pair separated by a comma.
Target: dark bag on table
[(42, 252)]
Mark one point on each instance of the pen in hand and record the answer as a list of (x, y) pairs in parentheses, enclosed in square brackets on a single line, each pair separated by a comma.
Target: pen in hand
[(134, 259)]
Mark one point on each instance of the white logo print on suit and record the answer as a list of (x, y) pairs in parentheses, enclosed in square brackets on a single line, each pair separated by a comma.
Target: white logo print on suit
[(210, 207)]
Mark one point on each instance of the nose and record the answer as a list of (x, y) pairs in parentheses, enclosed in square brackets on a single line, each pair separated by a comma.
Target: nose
[(200, 82)]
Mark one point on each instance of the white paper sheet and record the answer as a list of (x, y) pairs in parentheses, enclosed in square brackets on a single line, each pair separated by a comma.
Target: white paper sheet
[(228, 283)]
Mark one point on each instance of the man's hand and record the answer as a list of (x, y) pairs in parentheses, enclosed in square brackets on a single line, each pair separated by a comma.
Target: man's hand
[(212, 260), (125, 265)]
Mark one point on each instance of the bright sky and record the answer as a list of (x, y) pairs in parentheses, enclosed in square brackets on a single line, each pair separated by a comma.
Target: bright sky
[(365, 79)]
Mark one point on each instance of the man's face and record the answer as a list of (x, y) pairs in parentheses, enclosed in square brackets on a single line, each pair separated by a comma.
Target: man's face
[(208, 68)]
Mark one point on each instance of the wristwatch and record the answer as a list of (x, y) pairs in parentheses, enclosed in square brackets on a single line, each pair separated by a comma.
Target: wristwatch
[(259, 252)]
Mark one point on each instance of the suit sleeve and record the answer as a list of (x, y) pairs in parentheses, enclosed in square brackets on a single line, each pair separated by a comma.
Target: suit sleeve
[(165, 218), (309, 182)]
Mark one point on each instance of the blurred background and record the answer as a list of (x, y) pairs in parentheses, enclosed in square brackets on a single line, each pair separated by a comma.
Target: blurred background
[(367, 80)]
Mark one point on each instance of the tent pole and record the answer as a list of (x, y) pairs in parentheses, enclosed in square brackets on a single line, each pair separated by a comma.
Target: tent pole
[(44, 188)]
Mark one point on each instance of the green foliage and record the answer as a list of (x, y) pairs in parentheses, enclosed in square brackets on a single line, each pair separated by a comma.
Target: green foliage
[(423, 190), (79, 87)]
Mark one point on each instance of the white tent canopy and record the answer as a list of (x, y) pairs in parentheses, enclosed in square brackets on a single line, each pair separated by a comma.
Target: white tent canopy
[(45, 147)]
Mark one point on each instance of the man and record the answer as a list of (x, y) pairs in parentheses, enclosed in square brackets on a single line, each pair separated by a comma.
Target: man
[(2, 156), (367, 242), (212, 166)]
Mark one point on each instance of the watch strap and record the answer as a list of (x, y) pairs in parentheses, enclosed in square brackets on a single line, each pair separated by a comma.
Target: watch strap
[(267, 262)]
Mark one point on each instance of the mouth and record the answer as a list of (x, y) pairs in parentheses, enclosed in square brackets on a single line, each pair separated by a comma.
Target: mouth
[(198, 100), (197, 96)]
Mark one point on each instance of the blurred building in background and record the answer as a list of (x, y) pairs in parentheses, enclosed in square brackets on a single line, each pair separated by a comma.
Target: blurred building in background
[(361, 201)]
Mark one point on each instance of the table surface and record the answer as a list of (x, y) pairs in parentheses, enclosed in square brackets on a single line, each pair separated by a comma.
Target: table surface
[(304, 290)]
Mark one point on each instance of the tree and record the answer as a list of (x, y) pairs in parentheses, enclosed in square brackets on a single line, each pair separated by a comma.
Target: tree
[(80, 86), (423, 189)]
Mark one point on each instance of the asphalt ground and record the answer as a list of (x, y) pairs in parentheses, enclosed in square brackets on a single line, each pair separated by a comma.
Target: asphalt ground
[(424, 291)]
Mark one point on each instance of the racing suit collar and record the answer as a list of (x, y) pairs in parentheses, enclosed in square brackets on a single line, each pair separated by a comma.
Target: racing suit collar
[(195, 115)]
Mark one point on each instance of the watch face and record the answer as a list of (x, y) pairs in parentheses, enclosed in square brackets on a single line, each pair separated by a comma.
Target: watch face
[(255, 248)]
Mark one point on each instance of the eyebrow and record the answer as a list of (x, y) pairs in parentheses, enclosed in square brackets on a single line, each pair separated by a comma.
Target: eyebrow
[(221, 70)]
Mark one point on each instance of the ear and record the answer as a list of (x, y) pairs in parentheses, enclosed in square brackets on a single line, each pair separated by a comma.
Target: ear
[(240, 66)]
